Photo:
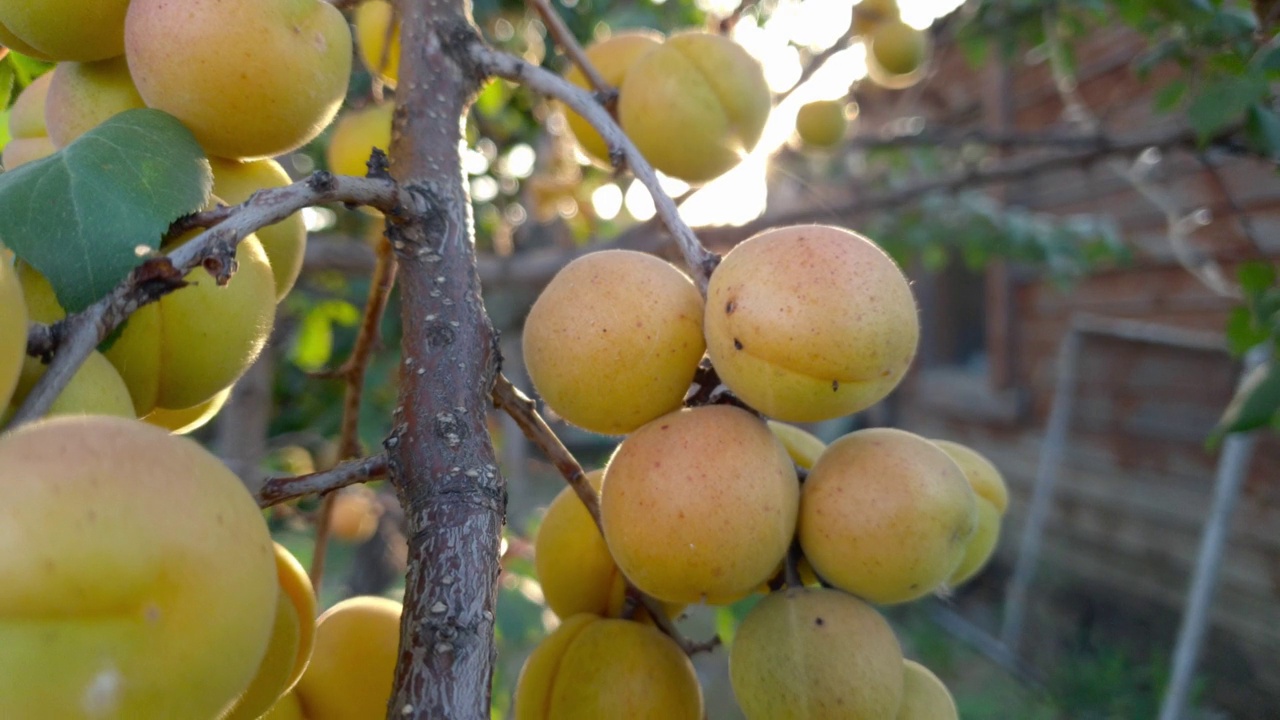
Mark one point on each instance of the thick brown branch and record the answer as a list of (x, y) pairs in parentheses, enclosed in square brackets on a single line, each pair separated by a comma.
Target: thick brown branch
[(214, 249), (441, 460), (283, 489), (700, 261)]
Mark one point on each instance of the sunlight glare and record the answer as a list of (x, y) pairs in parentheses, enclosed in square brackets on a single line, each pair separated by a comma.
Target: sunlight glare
[(639, 202), (606, 201)]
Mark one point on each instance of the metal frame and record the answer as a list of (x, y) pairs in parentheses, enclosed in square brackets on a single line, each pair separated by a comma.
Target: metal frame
[(1232, 468)]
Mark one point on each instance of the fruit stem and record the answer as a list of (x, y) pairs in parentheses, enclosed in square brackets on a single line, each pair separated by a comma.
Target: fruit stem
[(561, 35), (791, 566)]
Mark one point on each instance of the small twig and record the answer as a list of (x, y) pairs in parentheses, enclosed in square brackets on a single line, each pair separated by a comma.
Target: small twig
[(791, 566), (700, 260), (214, 249), (283, 489), (561, 35), (817, 61), (523, 410), (731, 20), (1237, 211), (352, 371)]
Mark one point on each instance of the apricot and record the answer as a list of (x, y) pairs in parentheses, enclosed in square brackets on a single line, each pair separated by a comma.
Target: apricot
[(355, 135), (95, 389), (353, 661), (595, 668), (250, 78), (288, 707), (822, 123), (572, 562), (983, 476), (924, 697), (292, 638), (870, 14), (803, 446), (806, 653), (195, 342), (886, 515), (700, 505), (13, 330), (135, 566), (285, 242), (28, 134), (810, 322), (355, 515), (78, 30), (373, 20), (981, 546), (614, 339), (895, 53), (83, 95), (695, 106), (181, 422), (612, 58)]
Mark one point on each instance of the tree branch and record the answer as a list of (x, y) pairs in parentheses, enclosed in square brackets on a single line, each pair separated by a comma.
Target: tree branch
[(283, 489), (72, 339), (352, 372), (699, 260), (561, 35)]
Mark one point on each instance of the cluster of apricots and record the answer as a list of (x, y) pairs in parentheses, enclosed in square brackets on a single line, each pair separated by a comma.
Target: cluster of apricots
[(896, 53), (158, 593), (702, 504)]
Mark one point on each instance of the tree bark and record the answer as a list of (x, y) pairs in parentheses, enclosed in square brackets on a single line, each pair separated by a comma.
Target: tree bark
[(441, 459)]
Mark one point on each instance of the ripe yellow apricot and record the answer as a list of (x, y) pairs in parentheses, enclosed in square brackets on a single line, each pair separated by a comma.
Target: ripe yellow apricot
[(355, 135), (353, 662), (595, 668), (196, 341), (292, 637), (250, 78), (285, 242), (13, 330), (181, 422), (138, 574), (95, 389), (810, 322), (886, 515), (288, 707), (895, 53), (614, 339), (983, 476), (572, 563), (78, 30), (612, 58), (29, 138), (870, 14), (981, 546), (373, 25), (924, 697), (695, 106), (83, 95), (822, 123), (803, 446), (355, 515), (805, 653), (699, 505)]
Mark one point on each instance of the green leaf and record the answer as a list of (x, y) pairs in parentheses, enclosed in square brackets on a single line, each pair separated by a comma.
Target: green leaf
[(27, 68), (313, 345), (6, 84), (1170, 95), (1242, 332), (1254, 404), (1222, 102), (1262, 126), (1256, 277), (84, 216)]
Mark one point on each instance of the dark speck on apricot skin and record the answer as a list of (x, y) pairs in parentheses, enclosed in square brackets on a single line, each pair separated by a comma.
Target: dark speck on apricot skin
[(835, 385), (729, 307), (818, 621), (737, 344)]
